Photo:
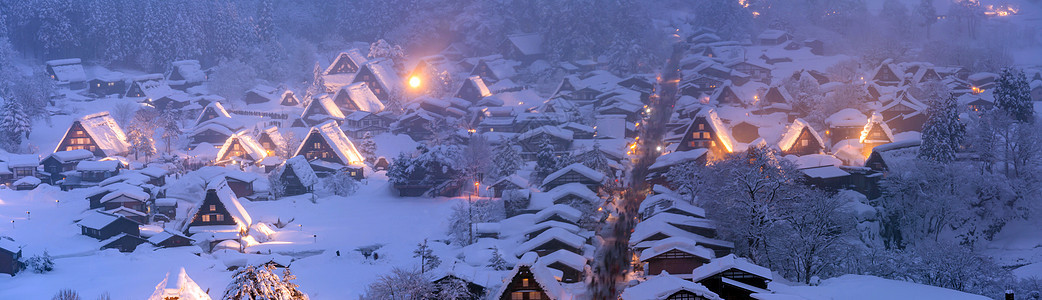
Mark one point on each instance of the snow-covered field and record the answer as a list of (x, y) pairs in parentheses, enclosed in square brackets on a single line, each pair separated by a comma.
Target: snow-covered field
[(372, 216)]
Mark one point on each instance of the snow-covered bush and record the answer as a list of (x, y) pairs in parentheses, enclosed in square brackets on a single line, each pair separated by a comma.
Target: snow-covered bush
[(465, 214), (66, 294), (41, 263), (340, 184), (399, 284)]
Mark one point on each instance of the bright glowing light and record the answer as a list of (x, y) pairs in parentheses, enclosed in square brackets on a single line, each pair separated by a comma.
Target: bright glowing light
[(414, 81), (976, 90)]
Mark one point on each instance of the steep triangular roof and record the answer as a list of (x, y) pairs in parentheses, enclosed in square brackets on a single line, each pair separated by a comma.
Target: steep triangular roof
[(792, 133), (322, 105), (353, 58), (663, 286), (106, 133), (181, 287), (361, 97), (337, 140), (249, 146), (211, 111), (876, 123)]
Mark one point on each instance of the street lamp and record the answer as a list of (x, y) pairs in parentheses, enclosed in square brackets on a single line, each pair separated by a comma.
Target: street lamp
[(415, 82)]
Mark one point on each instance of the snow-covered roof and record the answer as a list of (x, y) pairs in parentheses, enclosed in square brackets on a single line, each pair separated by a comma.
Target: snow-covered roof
[(363, 97), (547, 129), (559, 234), (153, 171), (664, 202), (71, 155), (722, 132), (679, 220), (191, 70), (302, 169), (101, 165), (216, 107), (384, 73), (771, 34), (548, 224), (730, 261), (231, 203), (9, 244), (136, 194), (124, 211), (793, 131), (646, 230), (214, 126), (23, 160), (676, 243), (824, 172), (564, 211), (572, 260), (528, 43), (574, 189), (678, 157), (274, 134), (28, 180), (337, 140), (105, 132), (847, 117), (354, 55), (326, 104), (664, 285), (266, 92), (247, 143), (515, 179), (182, 288), (97, 220), (476, 275), (576, 167), (479, 84), (67, 70), (876, 120)]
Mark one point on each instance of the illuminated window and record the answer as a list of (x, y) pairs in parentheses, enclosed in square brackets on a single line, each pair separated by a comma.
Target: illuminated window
[(213, 207), (701, 126), (206, 218), (524, 282), (517, 296), (219, 217), (804, 143)]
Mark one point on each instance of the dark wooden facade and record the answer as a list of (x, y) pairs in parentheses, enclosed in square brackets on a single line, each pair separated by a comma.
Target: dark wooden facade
[(726, 291), (365, 74), (100, 87), (675, 262), (316, 147), (292, 182), (212, 212), (10, 261), (700, 134), (805, 144), (78, 138), (523, 287)]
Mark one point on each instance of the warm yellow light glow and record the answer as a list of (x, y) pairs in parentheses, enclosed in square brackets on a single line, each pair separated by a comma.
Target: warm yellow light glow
[(976, 90), (414, 81)]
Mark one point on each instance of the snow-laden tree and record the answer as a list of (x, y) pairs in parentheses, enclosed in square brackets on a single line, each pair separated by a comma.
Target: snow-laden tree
[(895, 13), (465, 214), (942, 133), (630, 56), (428, 261), (232, 78), (742, 191), (277, 186), (171, 130), (812, 232), (496, 262), (400, 284), (340, 184), (14, 125), (41, 263), (477, 157), (927, 15), (506, 160), (453, 289), (514, 202), (140, 132), (368, 147), (261, 283), (545, 159), (382, 49), (1013, 95), (729, 19)]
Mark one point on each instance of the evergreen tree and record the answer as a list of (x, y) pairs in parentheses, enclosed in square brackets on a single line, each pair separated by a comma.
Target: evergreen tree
[(254, 283), (506, 160), (497, 262), (1013, 95), (546, 159), (171, 131), (14, 124), (928, 14), (428, 261), (400, 169), (597, 160), (942, 133), (368, 147)]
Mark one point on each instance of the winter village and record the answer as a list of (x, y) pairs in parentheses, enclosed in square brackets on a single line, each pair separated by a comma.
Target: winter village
[(521, 150)]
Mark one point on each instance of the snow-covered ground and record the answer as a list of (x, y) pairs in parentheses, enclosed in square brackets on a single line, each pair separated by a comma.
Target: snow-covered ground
[(371, 216)]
